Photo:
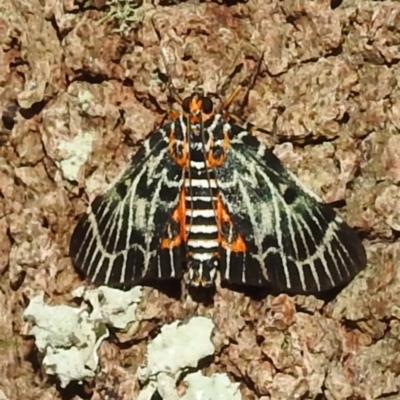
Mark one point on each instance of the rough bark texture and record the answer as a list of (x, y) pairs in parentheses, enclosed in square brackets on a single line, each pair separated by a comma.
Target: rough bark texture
[(329, 90)]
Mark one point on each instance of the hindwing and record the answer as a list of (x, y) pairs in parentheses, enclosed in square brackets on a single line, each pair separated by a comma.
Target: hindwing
[(118, 240), (292, 239)]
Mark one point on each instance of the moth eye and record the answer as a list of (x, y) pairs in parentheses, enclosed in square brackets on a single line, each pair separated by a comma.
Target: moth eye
[(207, 105)]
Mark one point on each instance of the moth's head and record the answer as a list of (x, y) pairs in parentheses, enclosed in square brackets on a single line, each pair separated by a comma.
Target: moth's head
[(197, 108)]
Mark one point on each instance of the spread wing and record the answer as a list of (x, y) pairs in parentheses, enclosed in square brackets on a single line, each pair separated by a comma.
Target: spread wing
[(118, 240), (292, 239)]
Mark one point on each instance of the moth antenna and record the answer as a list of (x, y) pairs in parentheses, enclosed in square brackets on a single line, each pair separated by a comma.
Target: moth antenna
[(251, 85)]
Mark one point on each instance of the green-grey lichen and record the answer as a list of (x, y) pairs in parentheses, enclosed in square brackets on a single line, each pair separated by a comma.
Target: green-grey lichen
[(214, 387), (125, 14), (67, 338), (117, 308), (75, 153), (178, 347)]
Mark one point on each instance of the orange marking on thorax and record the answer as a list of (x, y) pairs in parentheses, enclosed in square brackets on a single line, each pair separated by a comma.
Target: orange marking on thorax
[(179, 216), (173, 114), (238, 244)]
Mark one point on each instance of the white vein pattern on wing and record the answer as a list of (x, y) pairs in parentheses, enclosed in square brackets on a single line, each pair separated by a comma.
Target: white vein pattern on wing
[(244, 269), (323, 260), (99, 246), (117, 220), (264, 209), (339, 244), (330, 233), (326, 242), (228, 253), (318, 254), (93, 223), (83, 244), (250, 208), (132, 199), (96, 239), (278, 225), (297, 218), (131, 190), (237, 182), (92, 240), (216, 121), (171, 258), (119, 217), (158, 264), (328, 246), (292, 217), (154, 206)]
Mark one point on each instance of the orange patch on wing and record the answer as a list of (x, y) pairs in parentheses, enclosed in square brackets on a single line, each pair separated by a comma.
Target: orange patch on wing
[(181, 159), (238, 245), (179, 216), (213, 161), (168, 243)]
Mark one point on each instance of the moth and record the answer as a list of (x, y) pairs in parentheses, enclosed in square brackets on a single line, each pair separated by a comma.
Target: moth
[(203, 196)]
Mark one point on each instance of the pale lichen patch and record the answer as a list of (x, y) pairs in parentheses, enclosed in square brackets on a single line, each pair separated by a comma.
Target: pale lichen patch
[(67, 337), (179, 346), (76, 152), (214, 387), (117, 307)]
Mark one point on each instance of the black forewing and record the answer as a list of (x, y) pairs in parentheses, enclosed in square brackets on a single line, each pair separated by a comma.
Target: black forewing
[(294, 240), (117, 241)]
